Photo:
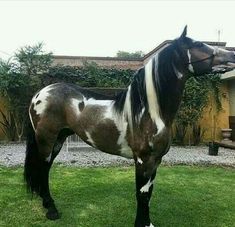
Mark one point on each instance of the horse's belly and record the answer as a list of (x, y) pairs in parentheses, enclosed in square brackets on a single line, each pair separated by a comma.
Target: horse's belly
[(103, 129), (105, 135)]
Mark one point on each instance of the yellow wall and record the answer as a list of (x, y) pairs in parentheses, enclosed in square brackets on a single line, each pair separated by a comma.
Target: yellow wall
[(221, 119)]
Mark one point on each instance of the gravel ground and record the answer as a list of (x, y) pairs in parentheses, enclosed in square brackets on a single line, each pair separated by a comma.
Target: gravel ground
[(84, 156)]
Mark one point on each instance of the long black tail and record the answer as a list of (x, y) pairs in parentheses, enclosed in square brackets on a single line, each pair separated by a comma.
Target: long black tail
[(33, 167)]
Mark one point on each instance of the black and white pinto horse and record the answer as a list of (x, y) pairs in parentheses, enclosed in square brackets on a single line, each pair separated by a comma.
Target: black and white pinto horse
[(135, 124)]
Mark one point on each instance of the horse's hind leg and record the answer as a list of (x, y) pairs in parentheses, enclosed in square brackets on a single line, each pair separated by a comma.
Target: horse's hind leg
[(63, 134), (48, 202), (46, 143)]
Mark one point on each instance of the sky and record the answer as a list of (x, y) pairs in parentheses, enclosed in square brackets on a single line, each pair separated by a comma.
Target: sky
[(101, 28)]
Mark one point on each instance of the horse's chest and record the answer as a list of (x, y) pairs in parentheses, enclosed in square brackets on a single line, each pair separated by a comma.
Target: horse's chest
[(148, 140)]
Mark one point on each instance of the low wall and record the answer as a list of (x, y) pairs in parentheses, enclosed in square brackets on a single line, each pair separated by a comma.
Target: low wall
[(107, 62)]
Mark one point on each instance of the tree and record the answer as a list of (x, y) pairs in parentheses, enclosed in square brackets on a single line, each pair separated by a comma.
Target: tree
[(90, 75), (126, 55), (20, 77)]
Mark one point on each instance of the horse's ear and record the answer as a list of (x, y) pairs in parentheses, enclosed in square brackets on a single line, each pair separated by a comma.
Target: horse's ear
[(184, 33)]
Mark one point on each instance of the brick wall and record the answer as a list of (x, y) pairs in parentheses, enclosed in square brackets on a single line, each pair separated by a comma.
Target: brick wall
[(107, 62)]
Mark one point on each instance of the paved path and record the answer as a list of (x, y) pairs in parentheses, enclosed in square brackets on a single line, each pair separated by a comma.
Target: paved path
[(14, 154)]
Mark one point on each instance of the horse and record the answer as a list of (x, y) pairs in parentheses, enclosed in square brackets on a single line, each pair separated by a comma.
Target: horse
[(136, 123)]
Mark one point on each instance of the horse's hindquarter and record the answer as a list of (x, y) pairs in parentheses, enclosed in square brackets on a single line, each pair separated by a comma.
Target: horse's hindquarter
[(47, 110)]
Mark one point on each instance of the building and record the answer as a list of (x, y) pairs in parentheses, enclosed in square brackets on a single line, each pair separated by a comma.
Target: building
[(223, 119)]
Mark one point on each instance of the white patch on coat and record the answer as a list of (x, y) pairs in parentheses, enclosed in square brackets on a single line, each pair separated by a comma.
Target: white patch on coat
[(109, 113), (122, 131), (151, 225), (179, 75), (150, 143), (152, 96), (177, 72), (141, 114), (190, 66), (98, 102), (127, 109), (48, 159), (146, 187), (31, 120), (121, 125), (106, 104), (75, 105), (139, 160), (89, 139), (42, 97)]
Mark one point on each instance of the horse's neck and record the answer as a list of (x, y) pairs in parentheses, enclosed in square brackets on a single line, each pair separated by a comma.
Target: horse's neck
[(170, 99), (157, 96), (164, 88)]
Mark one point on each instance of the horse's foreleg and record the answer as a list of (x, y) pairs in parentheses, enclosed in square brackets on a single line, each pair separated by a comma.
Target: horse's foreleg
[(145, 174)]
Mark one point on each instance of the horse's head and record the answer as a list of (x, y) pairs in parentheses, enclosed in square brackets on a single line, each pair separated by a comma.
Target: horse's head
[(200, 58)]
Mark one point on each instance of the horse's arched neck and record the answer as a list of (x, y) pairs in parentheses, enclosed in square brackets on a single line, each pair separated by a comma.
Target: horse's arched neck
[(155, 91), (170, 98), (169, 81)]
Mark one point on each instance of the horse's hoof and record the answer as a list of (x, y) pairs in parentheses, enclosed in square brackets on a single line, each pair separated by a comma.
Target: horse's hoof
[(53, 215), (46, 204), (144, 225)]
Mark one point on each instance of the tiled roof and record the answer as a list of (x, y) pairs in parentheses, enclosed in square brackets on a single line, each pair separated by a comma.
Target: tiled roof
[(96, 58), (220, 44)]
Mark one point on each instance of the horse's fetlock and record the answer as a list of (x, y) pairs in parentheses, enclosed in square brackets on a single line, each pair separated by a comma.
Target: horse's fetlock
[(48, 203)]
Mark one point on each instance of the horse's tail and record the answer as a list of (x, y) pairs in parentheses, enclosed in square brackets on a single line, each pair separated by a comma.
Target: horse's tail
[(33, 165)]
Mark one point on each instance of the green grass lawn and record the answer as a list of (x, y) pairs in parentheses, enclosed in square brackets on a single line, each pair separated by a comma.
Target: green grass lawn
[(104, 197)]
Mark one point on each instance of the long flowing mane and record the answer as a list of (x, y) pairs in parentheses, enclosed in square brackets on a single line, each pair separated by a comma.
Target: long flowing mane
[(162, 70), (137, 95)]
